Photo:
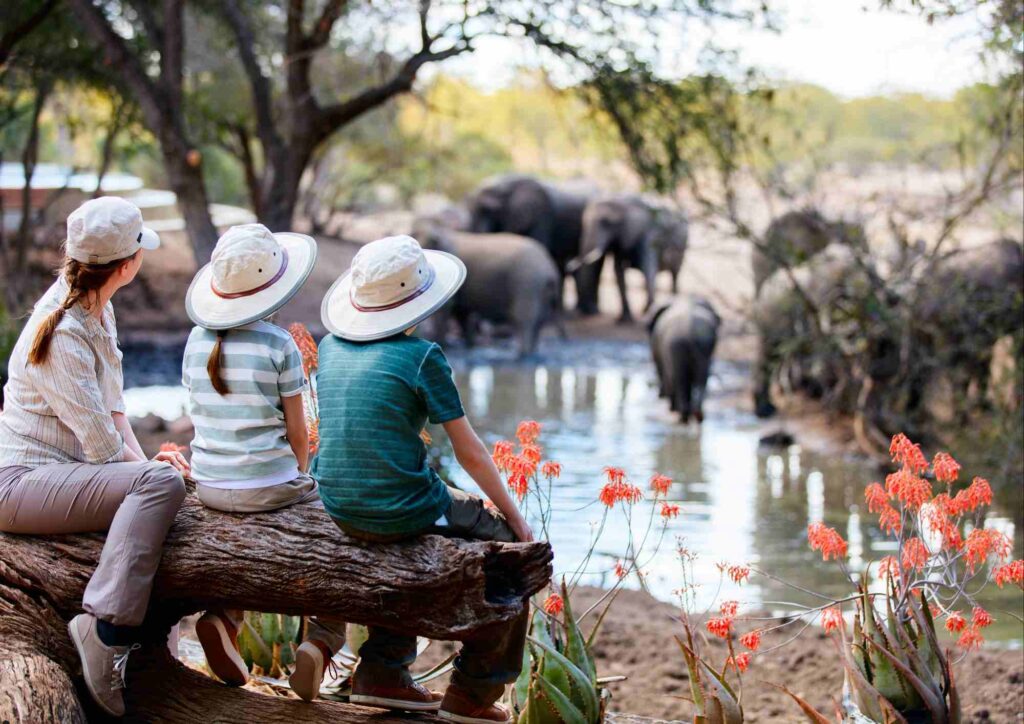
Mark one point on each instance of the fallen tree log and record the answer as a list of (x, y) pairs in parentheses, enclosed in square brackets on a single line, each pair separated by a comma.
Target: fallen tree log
[(292, 561)]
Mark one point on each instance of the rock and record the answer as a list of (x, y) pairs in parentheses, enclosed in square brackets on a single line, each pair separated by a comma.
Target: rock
[(149, 425), (777, 439), (182, 426)]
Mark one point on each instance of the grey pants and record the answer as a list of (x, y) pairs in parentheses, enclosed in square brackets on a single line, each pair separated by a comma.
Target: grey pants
[(134, 502), (329, 630)]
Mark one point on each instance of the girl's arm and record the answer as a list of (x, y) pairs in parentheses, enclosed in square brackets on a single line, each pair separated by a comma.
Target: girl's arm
[(295, 428), (476, 460), (133, 450)]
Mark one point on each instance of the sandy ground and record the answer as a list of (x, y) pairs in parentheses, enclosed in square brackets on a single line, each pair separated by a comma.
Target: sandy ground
[(636, 641)]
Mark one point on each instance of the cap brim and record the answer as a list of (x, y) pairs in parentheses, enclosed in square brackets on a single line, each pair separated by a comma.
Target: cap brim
[(211, 311), (342, 319), (149, 240)]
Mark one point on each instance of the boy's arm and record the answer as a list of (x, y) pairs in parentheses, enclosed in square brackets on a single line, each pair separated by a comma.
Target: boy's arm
[(475, 460), (295, 428)]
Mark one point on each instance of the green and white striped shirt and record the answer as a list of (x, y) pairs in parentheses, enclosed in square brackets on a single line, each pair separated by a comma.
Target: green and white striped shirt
[(240, 438)]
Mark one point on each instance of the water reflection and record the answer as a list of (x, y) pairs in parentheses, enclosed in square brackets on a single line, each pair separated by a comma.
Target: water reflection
[(740, 504)]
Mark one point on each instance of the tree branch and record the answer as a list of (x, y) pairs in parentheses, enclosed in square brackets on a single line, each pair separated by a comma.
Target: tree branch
[(259, 83), (325, 23), (11, 37)]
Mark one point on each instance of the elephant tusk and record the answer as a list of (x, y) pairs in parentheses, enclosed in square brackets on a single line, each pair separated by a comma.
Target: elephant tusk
[(577, 263)]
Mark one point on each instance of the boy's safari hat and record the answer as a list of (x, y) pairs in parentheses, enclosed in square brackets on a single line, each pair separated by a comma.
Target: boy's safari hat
[(392, 285), (107, 229), (251, 274)]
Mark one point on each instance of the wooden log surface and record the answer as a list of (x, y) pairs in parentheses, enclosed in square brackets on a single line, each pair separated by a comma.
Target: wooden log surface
[(293, 561)]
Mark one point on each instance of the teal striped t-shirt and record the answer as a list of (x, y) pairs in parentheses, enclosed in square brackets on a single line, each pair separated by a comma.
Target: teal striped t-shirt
[(375, 398), (240, 438)]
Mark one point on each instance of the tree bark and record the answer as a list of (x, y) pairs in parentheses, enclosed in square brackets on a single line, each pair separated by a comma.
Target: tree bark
[(293, 561)]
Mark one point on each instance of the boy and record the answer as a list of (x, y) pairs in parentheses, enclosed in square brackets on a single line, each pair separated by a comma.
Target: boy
[(378, 386)]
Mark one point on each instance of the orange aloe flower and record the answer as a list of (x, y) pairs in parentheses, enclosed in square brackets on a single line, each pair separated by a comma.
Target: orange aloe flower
[(751, 640), (553, 604), (827, 540)]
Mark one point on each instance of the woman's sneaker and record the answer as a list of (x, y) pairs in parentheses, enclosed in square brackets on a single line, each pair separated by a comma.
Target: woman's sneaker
[(459, 707), (219, 637), (102, 666), (399, 694)]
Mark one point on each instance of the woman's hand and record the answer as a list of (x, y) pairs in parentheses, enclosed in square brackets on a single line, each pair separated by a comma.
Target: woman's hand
[(521, 528), (175, 459)]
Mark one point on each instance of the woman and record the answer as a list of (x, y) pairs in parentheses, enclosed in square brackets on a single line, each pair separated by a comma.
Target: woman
[(69, 461)]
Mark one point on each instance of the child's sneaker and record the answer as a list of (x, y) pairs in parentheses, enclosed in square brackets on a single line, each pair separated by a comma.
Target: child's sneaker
[(219, 637), (458, 707), (399, 693), (311, 661)]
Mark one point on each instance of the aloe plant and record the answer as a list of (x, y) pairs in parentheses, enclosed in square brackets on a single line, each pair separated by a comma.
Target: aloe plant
[(559, 681), (714, 699), (268, 641), (896, 671)]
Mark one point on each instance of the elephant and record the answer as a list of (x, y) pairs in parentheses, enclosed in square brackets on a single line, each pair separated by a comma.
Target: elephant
[(523, 205), (683, 338), (638, 234), (795, 237), (785, 315), (510, 279), (966, 302)]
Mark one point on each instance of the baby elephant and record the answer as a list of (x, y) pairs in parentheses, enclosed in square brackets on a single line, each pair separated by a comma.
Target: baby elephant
[(683, 338), (511, 280)]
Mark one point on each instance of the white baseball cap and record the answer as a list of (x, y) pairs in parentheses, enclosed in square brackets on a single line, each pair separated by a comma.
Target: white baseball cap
[(107, 229), (392, 285), (252, 273)]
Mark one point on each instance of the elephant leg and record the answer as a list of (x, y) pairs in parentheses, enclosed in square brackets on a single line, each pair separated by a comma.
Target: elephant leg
[(763, 406), (675, 282), (620, 278), (529, 333), (660, 369), (466, 324), (684, 392), (650, 270)]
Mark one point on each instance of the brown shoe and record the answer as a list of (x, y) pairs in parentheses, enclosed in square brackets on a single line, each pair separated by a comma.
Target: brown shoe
[(102, 666), (394, 694), (312, 659), (219, 637), (457, 706)]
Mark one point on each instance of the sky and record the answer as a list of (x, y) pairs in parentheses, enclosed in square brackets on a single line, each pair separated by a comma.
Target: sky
[(837, 44)]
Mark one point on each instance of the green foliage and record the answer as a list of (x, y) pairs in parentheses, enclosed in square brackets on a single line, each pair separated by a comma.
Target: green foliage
[(269, 640), (714, 699), (558, 682), (9, 331)]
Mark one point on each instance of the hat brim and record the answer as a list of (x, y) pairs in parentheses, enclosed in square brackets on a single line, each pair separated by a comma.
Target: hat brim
[(342, 319), (150, 239), (207, 309)]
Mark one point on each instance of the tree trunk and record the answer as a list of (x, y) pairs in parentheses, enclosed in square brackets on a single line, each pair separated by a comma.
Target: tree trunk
[(281, 178), (293, 561), (186, 181)]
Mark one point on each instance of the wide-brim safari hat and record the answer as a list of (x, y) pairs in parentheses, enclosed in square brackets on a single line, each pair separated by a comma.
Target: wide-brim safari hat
[(392, 285), (252, 273)]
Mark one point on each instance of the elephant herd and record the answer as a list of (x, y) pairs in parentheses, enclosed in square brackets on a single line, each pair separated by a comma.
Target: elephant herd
[(521, 238), (826, 309)]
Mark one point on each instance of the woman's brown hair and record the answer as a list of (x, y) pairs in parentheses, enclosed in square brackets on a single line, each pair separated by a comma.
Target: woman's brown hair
[(213, 365), (83, 280)]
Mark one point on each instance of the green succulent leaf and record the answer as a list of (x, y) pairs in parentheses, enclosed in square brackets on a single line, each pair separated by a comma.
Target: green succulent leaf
[(577, 678), (567, 712), (575, 643)]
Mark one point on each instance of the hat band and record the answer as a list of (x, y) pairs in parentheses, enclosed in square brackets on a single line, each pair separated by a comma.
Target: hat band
[(394, 305), (260, 288)]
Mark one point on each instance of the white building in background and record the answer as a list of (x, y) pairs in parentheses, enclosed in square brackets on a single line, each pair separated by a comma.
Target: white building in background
[(57, 190)]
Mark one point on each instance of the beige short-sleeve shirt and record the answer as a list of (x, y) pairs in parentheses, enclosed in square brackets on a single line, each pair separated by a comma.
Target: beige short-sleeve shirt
[(60, 411)]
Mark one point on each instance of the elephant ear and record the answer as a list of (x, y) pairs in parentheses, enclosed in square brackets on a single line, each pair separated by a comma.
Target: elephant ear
[(527, 206), (656, 311)]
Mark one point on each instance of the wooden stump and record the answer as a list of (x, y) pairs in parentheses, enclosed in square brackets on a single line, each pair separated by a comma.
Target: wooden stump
[(293, 561)]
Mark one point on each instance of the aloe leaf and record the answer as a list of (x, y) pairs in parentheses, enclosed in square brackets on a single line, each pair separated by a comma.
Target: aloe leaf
[(291, 628), (600, 620), (691, 665), (436, 671), (718, 689), (271, 627), (575, 644), (935, 659), (936, 707), (555, 674), (953, 694), (566, 710), (541, 630), (577, 678), (522, 686), (865, 695), (812, 714)]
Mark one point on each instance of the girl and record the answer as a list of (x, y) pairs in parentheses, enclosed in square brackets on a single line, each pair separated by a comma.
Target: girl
[(245, 382), (69, 461)]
